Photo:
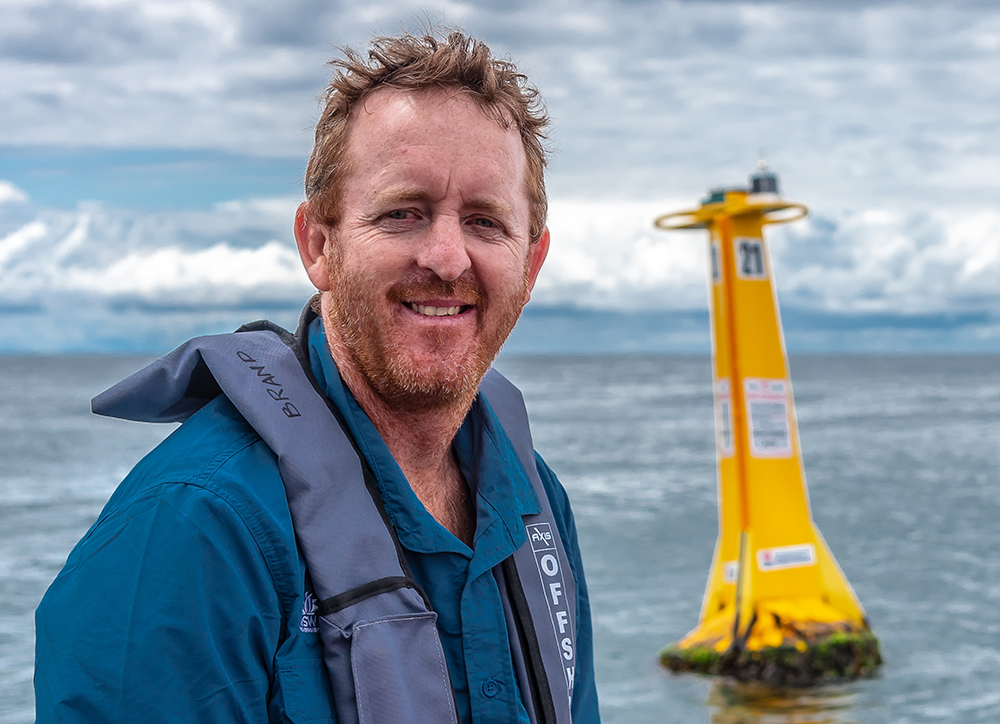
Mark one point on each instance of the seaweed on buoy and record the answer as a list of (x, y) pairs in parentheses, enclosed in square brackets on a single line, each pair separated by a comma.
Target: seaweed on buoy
[(835, 658)]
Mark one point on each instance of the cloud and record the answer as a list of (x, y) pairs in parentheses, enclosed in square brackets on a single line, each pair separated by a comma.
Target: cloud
[(11, 194), (19, 240), (886, 261), (100, 277), (605, 255), (852, 101), (881, 115), (219, 276), (233, 256)]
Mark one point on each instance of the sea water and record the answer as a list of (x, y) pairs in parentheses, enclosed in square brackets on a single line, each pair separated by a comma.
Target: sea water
[(902, 455)]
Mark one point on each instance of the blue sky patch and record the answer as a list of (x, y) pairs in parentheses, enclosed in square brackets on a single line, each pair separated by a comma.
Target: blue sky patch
[(148, 179)]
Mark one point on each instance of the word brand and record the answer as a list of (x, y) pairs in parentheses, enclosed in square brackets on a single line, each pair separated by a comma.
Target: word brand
[(275, 390)]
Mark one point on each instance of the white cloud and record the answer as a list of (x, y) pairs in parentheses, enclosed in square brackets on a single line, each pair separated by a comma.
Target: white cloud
[(217, 276), (608, 255), (887, 261), (229, 257), (11, 194), (18, 240)]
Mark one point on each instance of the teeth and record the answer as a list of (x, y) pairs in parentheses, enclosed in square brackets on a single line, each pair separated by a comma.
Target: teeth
[(434, 311)]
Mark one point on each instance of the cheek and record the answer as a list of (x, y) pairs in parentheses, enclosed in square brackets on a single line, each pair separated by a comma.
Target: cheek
[(374, 256), (504, 276), (349, 257)]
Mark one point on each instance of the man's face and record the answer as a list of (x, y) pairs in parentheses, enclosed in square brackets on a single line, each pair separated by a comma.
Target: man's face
[(430, 263)]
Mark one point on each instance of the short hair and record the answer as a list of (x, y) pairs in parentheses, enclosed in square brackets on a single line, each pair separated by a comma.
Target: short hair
[(414, 63)]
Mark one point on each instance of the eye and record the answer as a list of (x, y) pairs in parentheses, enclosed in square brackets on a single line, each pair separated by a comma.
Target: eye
[(486, 227), (397, 214)]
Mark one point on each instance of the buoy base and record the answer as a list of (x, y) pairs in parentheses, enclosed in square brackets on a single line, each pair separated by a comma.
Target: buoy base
[(837, 657)]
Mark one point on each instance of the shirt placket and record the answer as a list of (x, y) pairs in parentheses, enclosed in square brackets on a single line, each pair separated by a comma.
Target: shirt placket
[(489, 669)]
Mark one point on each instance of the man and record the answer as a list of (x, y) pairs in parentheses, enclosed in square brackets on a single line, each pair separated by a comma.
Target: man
[(194, 595)]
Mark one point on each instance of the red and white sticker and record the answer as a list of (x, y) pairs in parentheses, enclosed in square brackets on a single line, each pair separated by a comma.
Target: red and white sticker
[(767, 418), (776, 559)]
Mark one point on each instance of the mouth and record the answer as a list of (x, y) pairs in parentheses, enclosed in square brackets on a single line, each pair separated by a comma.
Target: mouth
[(428, 310)]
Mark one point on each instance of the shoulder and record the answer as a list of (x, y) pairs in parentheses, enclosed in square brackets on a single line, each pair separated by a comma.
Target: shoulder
[(555, 491), (562, 511), (191, 567), (215, 450), (213, 476)]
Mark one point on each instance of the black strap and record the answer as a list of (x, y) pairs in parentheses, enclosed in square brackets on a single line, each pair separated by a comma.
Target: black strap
[(367, 590), (541, 694)]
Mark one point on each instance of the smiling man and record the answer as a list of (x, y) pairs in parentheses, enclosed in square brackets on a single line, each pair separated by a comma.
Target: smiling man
[(351, 524)]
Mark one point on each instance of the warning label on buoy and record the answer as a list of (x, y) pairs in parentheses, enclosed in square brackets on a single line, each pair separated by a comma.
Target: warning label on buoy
[(724, 418), (730, 571), (775, 559), (767, 416)]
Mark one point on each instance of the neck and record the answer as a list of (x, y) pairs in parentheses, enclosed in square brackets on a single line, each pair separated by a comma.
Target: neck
[(420, 441)]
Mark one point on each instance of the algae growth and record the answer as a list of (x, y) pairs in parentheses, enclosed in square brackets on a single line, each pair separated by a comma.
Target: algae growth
[(839, 656)]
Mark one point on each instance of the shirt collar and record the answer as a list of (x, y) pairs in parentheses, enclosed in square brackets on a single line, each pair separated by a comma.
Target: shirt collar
[(486, 458)]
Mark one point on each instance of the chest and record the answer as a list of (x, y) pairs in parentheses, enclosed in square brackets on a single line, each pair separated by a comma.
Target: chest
[(450, 504)]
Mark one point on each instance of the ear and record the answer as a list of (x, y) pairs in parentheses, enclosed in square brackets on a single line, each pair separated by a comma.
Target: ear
[(311, 238), (536, 256)]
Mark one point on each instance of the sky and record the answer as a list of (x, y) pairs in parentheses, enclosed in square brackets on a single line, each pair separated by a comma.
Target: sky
[(151, 156)]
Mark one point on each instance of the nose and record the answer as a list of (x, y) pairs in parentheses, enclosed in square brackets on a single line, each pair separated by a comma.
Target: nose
[(443, 250)]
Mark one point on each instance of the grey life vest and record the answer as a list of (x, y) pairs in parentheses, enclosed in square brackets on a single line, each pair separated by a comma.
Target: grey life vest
[(380, 641)]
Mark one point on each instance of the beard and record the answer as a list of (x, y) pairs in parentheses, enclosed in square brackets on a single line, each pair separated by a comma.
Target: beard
[(365, 324)]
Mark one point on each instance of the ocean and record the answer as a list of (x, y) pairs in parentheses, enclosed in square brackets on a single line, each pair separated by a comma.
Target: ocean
[(902, 456)]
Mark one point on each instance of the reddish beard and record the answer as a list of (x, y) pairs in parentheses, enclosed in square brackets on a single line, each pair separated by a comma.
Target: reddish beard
[(364, 324)]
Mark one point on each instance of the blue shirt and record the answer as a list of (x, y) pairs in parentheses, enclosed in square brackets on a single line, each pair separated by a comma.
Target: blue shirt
[(188, 598)]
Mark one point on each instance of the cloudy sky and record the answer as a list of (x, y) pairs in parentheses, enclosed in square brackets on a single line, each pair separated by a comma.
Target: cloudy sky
[(151, 155)]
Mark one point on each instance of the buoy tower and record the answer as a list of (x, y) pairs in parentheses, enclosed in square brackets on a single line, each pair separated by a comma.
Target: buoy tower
[(777, 607)]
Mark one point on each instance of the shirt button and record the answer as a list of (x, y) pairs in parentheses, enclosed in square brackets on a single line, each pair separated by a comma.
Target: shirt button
[(491, 688)]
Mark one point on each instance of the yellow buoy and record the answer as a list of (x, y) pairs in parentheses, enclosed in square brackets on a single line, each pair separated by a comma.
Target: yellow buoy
[(777, 607)]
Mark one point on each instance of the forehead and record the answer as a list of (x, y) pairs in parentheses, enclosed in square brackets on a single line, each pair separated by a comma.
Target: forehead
[(398, 105), (439, 129)]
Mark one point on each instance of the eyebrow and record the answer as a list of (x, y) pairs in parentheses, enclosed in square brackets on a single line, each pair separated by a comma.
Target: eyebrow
[(399, 193), (496, 207), (409, 193)]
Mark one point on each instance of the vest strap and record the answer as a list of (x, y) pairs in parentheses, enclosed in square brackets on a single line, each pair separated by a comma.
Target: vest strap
[(539, 577)]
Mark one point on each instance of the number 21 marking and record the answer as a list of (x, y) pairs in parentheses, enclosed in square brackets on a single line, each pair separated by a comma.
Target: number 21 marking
[(750, 259)]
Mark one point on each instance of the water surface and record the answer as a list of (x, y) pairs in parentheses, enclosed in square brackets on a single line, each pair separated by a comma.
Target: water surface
[(902, 455)]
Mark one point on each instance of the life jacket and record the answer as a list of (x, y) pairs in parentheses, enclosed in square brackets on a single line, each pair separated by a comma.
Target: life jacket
[(381, 646)]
